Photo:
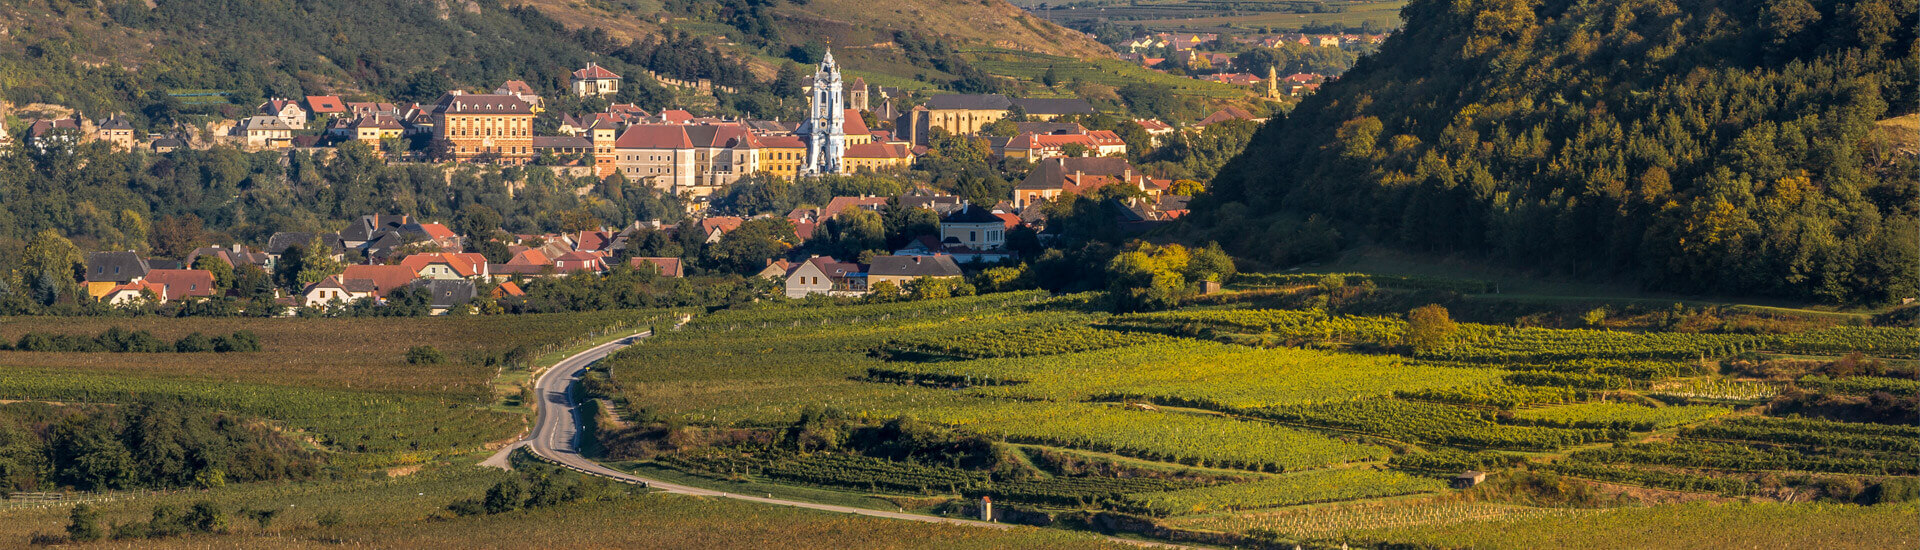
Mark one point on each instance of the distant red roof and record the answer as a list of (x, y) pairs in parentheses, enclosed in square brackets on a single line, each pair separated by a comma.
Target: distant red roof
[(654, 136), (668, 266), (531, 256), (516, 87), (385, 277), (854, 125), (723, 223), (594, 72), (1011, 220), (437, 231), (181, 283), (507, 288), (325, 104), (461, 264), (675, 115)]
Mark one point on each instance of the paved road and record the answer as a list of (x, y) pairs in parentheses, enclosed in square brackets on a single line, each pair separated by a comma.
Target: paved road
[(556, 437)]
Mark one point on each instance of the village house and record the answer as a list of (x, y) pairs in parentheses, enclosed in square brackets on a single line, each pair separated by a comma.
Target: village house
[(42, 134), (718, 226), (325, 105), (287, 110), (1079, 175), (974, 227), (116, 131), (384, 278), (447, 266), (492, 127), (444, 296), (333, 292), (578, 261), (135, 293), (594, 81), (265, 132), (901, 270), (182, 284), (823, 275)]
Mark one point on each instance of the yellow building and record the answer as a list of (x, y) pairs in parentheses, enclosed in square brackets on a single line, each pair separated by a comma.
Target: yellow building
[(966, 113), (877, 157), (469, 126), (781, 155)]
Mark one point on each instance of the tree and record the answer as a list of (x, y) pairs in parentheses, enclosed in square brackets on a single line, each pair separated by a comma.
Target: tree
[(503, 497), (1051, 78), (50, 255), (84, 524), (316, 263), (176, 236), (1148, 277), (1428, 327), (747, 248), (1187, 188), (223, 277)]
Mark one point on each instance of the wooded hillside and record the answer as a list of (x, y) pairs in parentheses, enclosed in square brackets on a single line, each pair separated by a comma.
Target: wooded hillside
[(1696, 145)]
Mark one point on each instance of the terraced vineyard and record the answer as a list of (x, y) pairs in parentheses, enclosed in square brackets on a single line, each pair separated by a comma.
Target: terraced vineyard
[(1299, 409), (1332, 520), (1286, 490)]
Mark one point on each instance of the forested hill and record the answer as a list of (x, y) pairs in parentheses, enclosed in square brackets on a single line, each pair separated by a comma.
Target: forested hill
[(1719, 146)]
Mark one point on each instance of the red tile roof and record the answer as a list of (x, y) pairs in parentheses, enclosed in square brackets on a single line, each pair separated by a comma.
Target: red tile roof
[(531, 256), (385, 277), (325, 104), (723, 223), (462, 264), (653, 136), (675, 115), (854, 125), (507, 288), (181, 283), (594, 72), (437, 231), (668, 266), (517, 87)]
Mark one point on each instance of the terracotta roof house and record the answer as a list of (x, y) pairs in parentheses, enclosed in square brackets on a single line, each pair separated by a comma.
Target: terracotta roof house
[(384, 278), (577, 261), (1052, 177), (531, 256), (325, 105), (595, 80), (446, 265), (180, 284), (717, 226), (506, 289), (131, 293), (669, 267), (593, 241)]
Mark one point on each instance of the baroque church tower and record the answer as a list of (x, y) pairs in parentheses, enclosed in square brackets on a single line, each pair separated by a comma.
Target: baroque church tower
[(825, 129)]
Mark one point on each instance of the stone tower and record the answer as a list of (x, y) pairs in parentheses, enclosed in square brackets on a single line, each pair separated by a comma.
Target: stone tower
[(825, 129), (1273, 84)]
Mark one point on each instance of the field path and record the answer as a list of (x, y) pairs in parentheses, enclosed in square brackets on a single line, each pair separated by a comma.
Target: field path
[(556, 433)]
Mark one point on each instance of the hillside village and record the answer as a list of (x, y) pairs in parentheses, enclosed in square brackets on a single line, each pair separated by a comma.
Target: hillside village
[(859, 129)]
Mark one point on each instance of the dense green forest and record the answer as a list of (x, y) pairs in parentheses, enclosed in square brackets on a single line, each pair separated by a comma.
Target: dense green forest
[(1697, 145)]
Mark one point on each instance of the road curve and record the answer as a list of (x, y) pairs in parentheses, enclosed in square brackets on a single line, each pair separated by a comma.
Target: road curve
[(556, 437)]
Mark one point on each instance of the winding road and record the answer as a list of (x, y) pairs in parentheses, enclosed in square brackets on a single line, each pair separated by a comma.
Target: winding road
[(556, 437)]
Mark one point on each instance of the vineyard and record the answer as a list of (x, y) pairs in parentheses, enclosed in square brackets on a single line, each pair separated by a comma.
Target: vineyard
[(1618, 416), (1431, 423), (1207, 375), (1327, 521), (1286, 490), (1310, 408)]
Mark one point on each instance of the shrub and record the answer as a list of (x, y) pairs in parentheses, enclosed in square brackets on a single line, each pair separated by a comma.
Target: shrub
[(85, 524), (425, 355)]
